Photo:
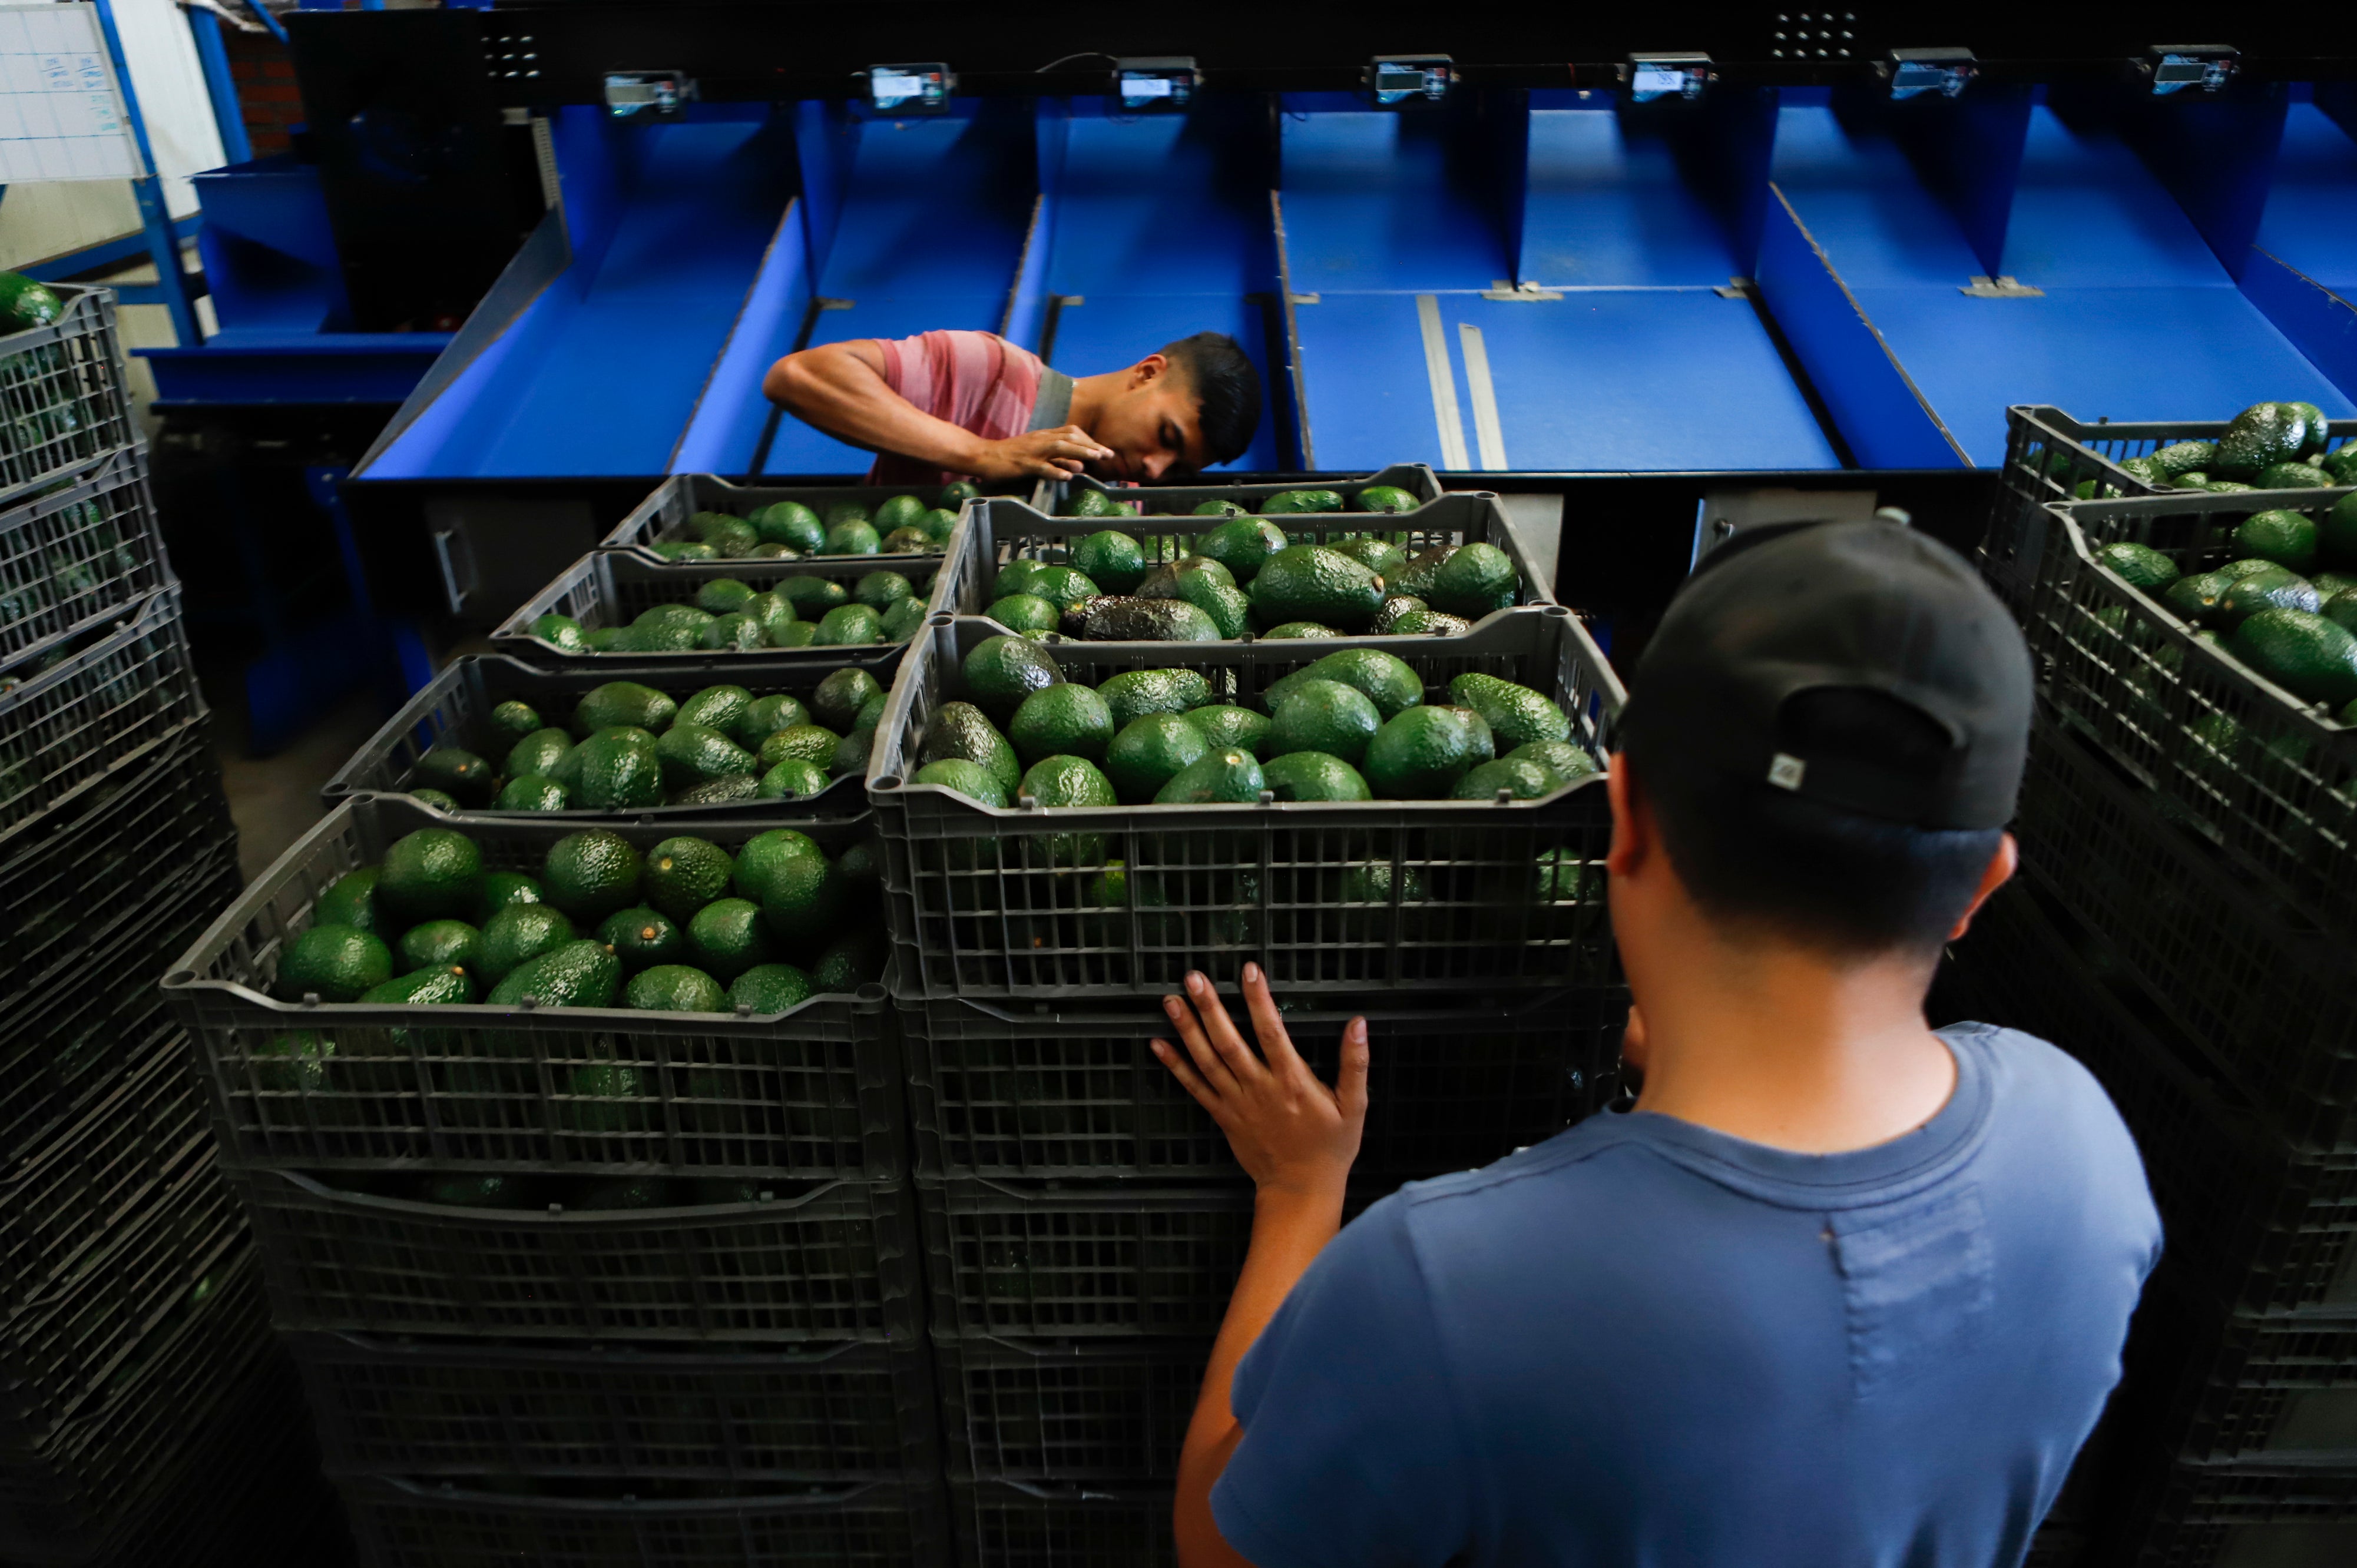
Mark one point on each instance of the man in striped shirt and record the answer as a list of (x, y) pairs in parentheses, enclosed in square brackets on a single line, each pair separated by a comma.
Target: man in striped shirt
[(948, 405)]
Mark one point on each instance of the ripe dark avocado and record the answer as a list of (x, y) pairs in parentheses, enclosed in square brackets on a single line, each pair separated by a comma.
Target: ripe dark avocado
[(961, 731), (1116, 619), (455, 771)]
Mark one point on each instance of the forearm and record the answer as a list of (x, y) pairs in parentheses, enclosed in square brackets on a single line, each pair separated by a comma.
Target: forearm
[(835, 387), (1288, 1232)]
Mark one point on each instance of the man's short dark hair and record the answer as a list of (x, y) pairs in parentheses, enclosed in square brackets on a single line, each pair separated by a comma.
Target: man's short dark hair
[(1766, 861), (1227, 388)]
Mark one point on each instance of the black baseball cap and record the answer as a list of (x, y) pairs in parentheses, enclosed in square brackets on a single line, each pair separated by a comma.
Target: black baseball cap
[(1872, 606)]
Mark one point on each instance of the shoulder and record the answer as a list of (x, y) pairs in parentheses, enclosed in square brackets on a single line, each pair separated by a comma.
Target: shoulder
[(2053, 1127), (2037, 1080)]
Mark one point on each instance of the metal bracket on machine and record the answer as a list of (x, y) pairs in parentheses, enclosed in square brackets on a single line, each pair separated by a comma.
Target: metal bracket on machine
[(1673, 73), (2005, 285), (648, 94), (2173, 68), (1506, 289), (1912, 73)]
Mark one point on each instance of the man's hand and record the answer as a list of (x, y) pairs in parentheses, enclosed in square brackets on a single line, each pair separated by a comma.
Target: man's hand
[(1290, 1133), (1039, 453)]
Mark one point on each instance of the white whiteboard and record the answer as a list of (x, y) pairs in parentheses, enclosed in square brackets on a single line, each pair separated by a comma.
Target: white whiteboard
[(61, 116)]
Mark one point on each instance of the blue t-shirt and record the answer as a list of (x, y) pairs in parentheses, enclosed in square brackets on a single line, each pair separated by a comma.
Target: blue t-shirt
[(1647, 1343)]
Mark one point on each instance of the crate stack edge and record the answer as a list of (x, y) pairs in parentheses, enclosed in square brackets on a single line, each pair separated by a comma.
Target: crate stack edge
[(2182, 924)]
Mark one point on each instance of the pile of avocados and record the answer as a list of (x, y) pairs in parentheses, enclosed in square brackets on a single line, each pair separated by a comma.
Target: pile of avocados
[(2268, 446), (1353, 726), (80, 556), (724, 614), (684, 927), (2286, 604), (40, 406), (790, 531), (627, 747), (1244, 576)]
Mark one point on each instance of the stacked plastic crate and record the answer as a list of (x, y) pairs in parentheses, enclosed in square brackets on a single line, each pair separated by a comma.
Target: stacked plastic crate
[(1083, 1220), (131, 1329), (584, 1285), (2183, 925)]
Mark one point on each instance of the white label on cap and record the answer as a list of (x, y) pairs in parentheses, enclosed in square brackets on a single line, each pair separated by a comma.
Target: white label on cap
[(1787, 772)]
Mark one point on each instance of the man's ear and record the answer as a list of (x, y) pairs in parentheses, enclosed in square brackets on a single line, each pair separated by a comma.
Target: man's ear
[(1148, 371), (1994, 876), (1632, 822)]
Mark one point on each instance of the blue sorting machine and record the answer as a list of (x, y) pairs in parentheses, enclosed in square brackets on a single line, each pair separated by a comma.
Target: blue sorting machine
[(1506, 281)]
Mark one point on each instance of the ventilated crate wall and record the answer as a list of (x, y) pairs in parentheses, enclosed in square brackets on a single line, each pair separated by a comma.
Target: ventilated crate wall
[(63, 399), (75, 555), (1395, 895)]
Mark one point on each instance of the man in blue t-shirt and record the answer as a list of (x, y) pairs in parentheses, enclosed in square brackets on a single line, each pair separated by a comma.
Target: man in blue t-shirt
[(1840, 1290)]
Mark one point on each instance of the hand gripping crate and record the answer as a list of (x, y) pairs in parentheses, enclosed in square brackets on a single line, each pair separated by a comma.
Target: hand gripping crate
[(1452, 893), (71, 715), (71, 1040), (662, 518), (757, 1420), (998, 532), (63, 1499), (73, 555), (455, 708), (613, 587), (811, 1092), (829, 1261), (2259, 1223), (2227, 753), (1073, 1093), (113, 852), (2269, 1000), (2050, 457), (1051, 1411), (63, 400), (1029, 1524), (1057, 497), (403, 1523)]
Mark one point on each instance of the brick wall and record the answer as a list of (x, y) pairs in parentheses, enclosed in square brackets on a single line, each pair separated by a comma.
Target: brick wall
[(264, 75)]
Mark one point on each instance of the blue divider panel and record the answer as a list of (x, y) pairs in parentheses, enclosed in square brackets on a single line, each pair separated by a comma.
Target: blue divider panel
[(669, 225), (2138, 320), (2303, 267)]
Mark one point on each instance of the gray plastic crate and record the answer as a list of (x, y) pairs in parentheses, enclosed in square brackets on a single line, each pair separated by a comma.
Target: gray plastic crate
[(86, 706), (2223, 1514), (112, 852), (65, 1348), (67, 1043), (402, 1523), (1063, 1411), (2258, 1222), (990, 903), (998, 532), (1104, 1260), (662, 517), (612, 588), (811, 1092), (202, 1382), (2211, 1384), (73, 555), (2048, 456), (831, 1260), (1028, 1524), (1055, 497), (63, 399), (2227, 753), (1004, 1092), (825, 1415), (455, 707), (2268, 1000)]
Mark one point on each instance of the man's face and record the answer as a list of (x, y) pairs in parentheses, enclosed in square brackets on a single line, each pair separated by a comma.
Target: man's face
[(1154, 425)]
